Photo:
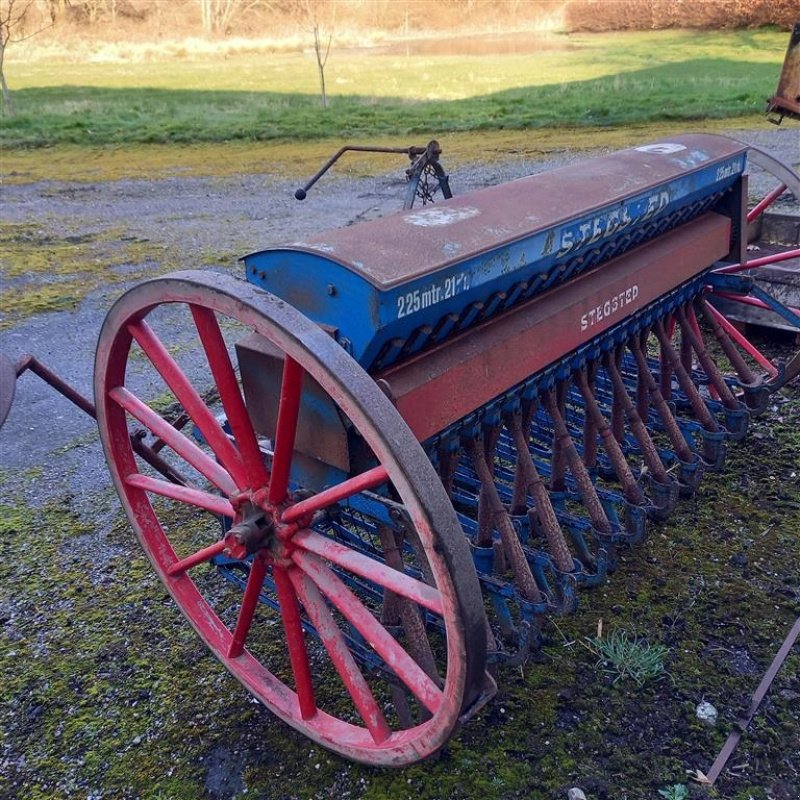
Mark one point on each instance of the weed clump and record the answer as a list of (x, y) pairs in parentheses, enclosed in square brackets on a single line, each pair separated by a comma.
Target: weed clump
[(628, 657)]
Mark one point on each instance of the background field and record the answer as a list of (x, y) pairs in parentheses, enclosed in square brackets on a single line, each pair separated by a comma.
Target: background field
[(518, 82)]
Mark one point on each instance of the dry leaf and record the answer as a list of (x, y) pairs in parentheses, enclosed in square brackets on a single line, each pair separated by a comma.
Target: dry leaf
[(698, 776)]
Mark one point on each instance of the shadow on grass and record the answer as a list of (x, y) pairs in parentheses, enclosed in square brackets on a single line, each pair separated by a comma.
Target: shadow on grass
[(694, 89)]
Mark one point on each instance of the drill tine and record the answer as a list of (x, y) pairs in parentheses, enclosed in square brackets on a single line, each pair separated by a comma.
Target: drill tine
[(518, 423), (648, 448), (746, 375), (706, 418), (665, 365), (486, 522), (448, 461), (515, 555), (403, 610), (676, 438), (590, 432), (586, 488), (689, 333), (619, 401), (630, 488), (642, 394), (687, 356), (559, 455)]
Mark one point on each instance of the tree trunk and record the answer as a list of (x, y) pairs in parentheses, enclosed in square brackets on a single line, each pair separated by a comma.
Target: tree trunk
[(321, 61), (8, 105)]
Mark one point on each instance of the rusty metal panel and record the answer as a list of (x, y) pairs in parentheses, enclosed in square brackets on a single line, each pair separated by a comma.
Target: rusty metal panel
[(320, 432), (786, 101), (434, 390), (401, 247)]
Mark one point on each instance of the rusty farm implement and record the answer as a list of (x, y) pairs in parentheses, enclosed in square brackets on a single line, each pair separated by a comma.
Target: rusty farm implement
[(383, 458)]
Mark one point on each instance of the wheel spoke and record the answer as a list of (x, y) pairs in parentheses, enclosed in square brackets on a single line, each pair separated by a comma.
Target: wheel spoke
[(181, 444), (255, 581), (366, 567), (185, 494), (361, 483), (742, 340), (221, 368), (201, 556), (393, 654), (765, 202), (286, 429), (342, 658), (296, 643), (754, 263), (191, 401)]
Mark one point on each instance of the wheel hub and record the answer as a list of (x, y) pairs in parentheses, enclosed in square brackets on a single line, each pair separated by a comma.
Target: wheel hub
[(260, 528), (252, 533)]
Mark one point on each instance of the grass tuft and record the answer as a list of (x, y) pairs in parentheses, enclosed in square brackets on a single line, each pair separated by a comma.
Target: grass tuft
[(628, 657)]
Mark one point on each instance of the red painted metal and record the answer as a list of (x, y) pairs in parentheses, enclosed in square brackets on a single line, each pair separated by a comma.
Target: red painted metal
[(255, 582), (765, 202), (295, 642), (437, 543), (328, 497), (232, 401), (742, 340), (381, 641), (199, 557), (774, 258), (342, 658), (288, 412), (190, 399), (181, 444), (545, 328), (386, 577), (750, 301), (186, 494)]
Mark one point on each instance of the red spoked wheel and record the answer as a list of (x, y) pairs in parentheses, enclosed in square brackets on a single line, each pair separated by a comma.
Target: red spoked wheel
[(771, 184), (396, 612)]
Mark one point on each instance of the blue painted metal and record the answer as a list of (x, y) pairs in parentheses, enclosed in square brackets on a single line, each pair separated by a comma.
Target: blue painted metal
[(410, 279)]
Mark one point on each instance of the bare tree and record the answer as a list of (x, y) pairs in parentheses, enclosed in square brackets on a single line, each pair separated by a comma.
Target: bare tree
[(322, 49), (13, 19), (215, 15), (322, 60)]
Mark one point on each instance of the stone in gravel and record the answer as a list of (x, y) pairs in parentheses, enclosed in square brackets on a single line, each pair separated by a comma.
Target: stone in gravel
[(707, 713)]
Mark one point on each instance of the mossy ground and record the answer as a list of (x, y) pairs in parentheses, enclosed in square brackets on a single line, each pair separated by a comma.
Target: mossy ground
[(302, 159), (43, 270), (106, 691)]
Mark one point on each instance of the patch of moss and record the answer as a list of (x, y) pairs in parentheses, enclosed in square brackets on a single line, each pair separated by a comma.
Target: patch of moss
[(299, 159), (45, 272)]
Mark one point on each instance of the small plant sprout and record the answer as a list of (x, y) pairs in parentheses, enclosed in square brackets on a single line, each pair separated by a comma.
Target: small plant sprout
[(676, 792), (623, 656)]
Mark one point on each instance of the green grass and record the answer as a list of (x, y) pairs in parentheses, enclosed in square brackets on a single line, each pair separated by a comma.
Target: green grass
[(600, 80), (623, 657)]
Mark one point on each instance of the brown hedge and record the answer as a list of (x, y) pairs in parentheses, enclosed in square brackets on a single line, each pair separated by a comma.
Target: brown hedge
[(614, 15)]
